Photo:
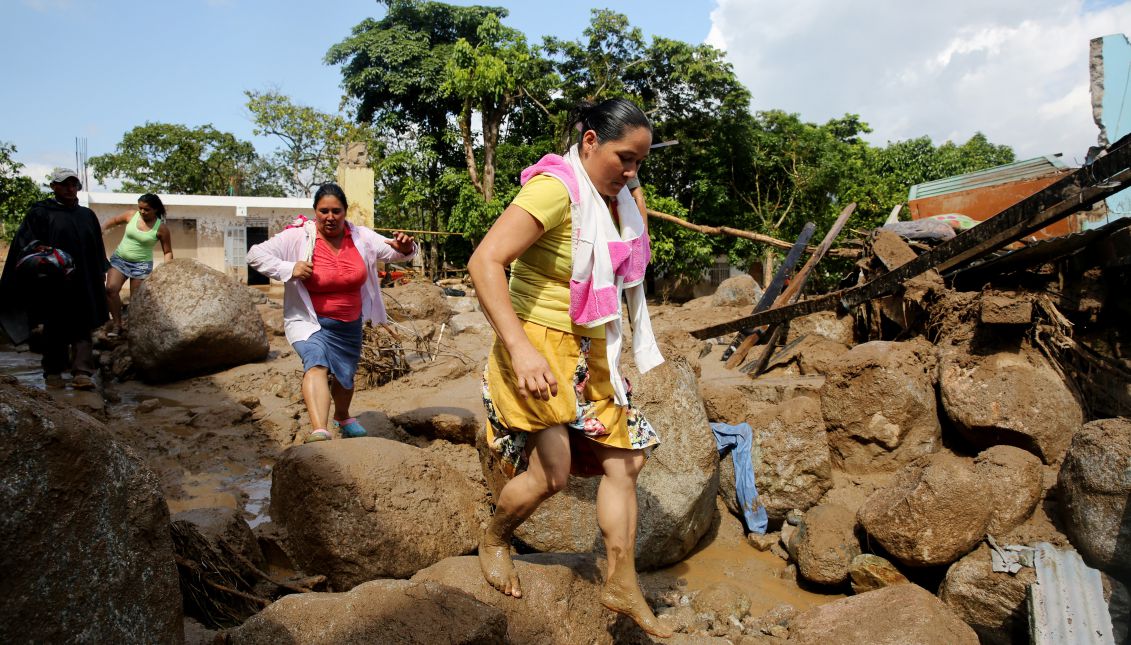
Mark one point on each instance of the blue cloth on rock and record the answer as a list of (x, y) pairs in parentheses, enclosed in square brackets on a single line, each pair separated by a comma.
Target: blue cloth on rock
[(336, 346), (739, 440)]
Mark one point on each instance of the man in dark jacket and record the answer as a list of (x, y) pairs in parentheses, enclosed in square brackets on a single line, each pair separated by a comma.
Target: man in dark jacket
[(68, 304)]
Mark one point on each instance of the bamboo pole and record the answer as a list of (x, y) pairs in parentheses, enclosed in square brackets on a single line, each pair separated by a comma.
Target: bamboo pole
[(736, 232)]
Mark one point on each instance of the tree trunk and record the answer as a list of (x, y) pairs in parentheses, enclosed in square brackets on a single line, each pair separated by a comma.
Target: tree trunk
[(469, 145), (492, 121)]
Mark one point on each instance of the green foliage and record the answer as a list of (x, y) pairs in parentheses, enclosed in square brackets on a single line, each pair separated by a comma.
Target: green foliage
[(173, 158), (676, 251), (17, 193), (311, 140)]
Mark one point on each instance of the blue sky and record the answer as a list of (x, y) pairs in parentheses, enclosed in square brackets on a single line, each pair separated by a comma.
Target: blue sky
[(1016, 70), (96, 68)]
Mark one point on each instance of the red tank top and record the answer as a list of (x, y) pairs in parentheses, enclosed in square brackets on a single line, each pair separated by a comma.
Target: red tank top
[(335, 286)]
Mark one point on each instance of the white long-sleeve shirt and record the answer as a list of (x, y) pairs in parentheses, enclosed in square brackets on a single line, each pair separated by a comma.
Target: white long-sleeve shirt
[(276, 259)]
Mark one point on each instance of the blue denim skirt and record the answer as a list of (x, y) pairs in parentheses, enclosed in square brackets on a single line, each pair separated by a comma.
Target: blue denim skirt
[(336, 346), (132, 270)]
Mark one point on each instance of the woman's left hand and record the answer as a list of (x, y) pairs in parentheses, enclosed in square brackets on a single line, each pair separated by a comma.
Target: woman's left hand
[(401, 243)]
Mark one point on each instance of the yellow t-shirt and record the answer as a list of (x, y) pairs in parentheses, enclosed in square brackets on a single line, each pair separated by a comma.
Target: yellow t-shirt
[(539, 285)]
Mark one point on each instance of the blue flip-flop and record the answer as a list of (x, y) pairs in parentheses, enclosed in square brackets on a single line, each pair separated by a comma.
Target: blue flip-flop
[(351, 430)]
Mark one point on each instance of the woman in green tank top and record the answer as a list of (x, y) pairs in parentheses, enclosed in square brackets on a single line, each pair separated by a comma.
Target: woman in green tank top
[(133, 258)]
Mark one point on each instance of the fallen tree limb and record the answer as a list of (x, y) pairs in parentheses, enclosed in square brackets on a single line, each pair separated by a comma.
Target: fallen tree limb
[(737, 232)]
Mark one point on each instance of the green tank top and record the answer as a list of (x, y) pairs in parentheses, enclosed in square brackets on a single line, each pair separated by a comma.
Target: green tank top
[(137, 246)]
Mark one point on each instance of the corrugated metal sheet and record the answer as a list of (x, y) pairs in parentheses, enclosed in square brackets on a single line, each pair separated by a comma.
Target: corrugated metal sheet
[(1066, 604), (1016, 171)]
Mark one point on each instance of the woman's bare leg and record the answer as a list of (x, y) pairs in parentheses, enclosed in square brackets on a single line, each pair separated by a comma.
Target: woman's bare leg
[(547, 474), (616, 515), (114, 281), (316, 394)]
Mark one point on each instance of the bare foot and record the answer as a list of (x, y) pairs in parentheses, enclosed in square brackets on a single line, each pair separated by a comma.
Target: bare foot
[(495, 561), (622, 595)]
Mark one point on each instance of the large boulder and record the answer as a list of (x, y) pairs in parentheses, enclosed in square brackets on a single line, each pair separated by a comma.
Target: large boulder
[(739, 291), (360, 509), (792, 468), (457, 425), (1016, 478), (1095, 489), (88, 556), (381, 611), (879, 406), (994, 604), (675, 491), (898, 615), (189, 319), (824, 324), (560, 599), (1008, 397), (934, 512), (417, 300), (826, 544)]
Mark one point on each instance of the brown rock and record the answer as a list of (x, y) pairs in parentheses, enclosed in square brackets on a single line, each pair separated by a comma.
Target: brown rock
[(560, 599), (871, 572), (360, 509), (897, 615), (190, 319), (1015, 476), (1013, 397), (994, 604), (457, 425), (417, 300), (826, 544), (1095, 488), (824, 324), (381, 611), (272, 315), (935, 511), (85, 531), (722, 599), (676, 489), (221, 524), (879, 406), (1006, 309)]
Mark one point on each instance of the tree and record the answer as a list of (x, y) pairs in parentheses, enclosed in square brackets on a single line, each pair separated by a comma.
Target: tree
[(311, 140), (173, 158), (17, 193)]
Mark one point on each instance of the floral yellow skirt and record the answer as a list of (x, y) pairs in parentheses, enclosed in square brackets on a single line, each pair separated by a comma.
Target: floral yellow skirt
[(587, 409)]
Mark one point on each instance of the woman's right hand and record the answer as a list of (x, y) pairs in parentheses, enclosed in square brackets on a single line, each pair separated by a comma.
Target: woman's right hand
[(532, 373), (302, 270)]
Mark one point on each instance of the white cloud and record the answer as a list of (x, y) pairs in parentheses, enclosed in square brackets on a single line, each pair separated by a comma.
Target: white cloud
[(1016, 70)]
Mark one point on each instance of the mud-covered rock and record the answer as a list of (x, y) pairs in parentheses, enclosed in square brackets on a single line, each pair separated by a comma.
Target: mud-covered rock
[(360, 509), (417, 300), (85, 531), (1008, 397), (739, 291), (722, 599), (560, 599), (904, 614), (824, 324), (934, 512), (994, 604), (1015, 477), (826, 544), (381, 611), (190, 319), (790, 458), (869, 572), (470, 321), (220, 524), (879, 406), (1095, 489), (457, 425), (675, 490)]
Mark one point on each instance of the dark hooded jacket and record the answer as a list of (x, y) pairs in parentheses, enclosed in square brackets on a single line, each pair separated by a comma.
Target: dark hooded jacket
[(76, 302)]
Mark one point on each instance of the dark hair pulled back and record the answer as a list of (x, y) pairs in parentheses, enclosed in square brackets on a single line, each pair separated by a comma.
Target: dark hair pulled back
[(610, 119), (154, 202), (331, 190)]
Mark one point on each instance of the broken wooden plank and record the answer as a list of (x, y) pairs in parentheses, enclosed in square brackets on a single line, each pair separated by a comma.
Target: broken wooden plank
[(793, 292), (770, 295)]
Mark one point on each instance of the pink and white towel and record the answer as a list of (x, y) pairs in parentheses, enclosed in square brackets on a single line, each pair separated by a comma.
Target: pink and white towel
[(606, 264)]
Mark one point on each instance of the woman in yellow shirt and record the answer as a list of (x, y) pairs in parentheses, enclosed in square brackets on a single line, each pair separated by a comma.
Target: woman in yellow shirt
[(548, 387)]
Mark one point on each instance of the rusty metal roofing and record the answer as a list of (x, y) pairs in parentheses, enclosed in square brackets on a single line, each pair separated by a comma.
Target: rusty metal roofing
[(1066, 604), (1016, 171)]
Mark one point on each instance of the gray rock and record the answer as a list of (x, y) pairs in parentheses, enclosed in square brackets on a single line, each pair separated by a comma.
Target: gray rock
[(190, 319), (381, 611), (675, 491), (88, 556), (739, 291), (994, 604), (879, 406), (903, 614), (1013, 397), (934, 512), (471, 321), (360, 509), (1095, 486)]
